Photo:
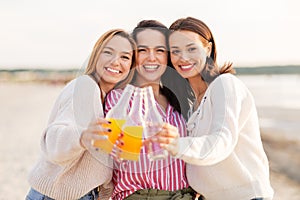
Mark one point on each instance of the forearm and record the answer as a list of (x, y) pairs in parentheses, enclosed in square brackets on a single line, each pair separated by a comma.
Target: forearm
[(61, 142)]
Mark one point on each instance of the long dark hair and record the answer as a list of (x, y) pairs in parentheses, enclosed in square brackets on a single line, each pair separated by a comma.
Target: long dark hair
[(175, 88), (211, 69)]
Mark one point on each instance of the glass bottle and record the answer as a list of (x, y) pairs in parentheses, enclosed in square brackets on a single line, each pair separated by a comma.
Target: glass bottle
[(153, 122), (117, 116), (133, 128)]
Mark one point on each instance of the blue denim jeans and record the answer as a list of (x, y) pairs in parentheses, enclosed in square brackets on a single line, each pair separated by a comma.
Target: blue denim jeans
[(35, 195)]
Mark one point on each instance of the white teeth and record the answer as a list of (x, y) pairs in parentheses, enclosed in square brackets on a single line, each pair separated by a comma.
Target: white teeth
[(186, 66), (113, 70), (151, 66)]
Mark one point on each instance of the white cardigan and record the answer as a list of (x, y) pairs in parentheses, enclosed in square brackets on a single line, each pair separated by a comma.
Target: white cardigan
[(224, 152), (65, 170)]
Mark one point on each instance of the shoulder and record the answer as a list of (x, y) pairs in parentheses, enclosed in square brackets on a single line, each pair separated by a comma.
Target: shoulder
[(84, 81), (85, 85), (82, 89), (225, 81), (80, 82), (225, 78)]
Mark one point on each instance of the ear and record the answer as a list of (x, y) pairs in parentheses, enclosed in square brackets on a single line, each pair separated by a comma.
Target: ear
[(208, 49)]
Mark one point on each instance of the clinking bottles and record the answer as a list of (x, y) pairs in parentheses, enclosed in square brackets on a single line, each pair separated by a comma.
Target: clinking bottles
[(133, 128), (153, 121)]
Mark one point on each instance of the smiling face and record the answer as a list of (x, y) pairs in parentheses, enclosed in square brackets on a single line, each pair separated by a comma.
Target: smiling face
[(152, 56), (188, 53), (114, 62)]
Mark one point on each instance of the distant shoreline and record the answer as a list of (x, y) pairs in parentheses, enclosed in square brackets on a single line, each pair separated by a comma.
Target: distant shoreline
[(65, 75), (280, 69)]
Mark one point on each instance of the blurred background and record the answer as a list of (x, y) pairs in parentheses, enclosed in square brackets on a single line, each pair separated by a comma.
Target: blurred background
[(44, 44)]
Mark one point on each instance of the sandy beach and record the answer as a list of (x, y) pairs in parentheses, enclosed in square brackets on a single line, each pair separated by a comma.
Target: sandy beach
[(25, 109)]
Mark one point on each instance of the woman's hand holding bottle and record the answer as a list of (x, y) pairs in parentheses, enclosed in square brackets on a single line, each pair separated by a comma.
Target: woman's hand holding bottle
[(167, 138), (96, 131)]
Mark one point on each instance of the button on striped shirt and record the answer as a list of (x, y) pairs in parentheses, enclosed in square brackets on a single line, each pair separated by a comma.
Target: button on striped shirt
[(166, 174)]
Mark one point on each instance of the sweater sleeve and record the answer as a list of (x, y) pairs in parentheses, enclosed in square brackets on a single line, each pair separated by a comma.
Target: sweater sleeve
[(78, 104), (221, 137)]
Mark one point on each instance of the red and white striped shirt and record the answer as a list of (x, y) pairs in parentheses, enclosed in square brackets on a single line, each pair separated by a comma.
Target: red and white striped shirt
[(167, 174)]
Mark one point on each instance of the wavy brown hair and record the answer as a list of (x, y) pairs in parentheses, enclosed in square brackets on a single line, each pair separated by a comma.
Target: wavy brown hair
[(211, 69)]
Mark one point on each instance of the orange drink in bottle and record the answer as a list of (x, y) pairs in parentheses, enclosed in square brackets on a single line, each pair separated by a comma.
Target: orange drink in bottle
[(132, 142), (115, 126)]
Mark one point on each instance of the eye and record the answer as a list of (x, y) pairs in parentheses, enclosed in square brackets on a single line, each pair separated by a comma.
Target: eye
[(161, 50), (192, 49), (125, 57), (141, 50), (107, 52), (175, 52)]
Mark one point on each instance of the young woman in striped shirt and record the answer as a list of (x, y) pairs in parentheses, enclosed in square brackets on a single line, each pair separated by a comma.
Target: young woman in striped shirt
[(159, 179)]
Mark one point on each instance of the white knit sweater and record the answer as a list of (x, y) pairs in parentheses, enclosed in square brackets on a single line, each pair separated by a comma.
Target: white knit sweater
[(224, 151), (65, 170)]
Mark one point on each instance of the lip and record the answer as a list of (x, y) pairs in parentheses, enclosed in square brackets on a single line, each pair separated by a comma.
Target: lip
[(187, 67), (151, 67), (112, 70)]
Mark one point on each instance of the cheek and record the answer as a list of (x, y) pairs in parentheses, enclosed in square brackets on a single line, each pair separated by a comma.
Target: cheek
[(202, 54), (99, 66), (140, 58), (164, 59), (174, 59), (138, 70), (127, 65)]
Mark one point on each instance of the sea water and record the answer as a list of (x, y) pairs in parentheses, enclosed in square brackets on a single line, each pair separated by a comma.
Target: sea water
[(277, 99)]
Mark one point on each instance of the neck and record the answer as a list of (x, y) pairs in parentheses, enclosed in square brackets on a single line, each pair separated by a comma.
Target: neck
[(155, 87), (154, 84), (160, 98), (199, 87)]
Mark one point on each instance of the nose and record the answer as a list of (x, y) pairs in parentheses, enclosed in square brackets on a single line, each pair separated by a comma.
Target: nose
[(184, 56), (115, 60), (151, 55)]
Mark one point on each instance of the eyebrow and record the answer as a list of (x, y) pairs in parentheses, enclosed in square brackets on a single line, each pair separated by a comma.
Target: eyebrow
[(112, 49), (144, 46), (188, 45)]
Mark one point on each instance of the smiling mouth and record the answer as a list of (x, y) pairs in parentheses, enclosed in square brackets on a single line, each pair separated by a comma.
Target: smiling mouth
[(115, 71), (186, 67), (151, 67)]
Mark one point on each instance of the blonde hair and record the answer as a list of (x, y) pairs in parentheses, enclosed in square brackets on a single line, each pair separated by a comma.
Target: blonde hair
[(100, 44)]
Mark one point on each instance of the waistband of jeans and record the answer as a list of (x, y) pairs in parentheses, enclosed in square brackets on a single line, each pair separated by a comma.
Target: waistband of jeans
[(157, 192)]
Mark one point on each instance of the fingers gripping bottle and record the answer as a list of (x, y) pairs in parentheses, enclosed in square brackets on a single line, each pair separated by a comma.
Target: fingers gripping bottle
[(117, 116), (154, 123)]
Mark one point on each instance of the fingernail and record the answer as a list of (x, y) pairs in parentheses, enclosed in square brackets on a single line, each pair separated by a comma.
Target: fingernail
[(109, 130), (109, 122), (121, 135), (121, 143)]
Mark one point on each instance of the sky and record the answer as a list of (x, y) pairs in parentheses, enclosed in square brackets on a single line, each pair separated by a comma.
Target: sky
[(62, 33)]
